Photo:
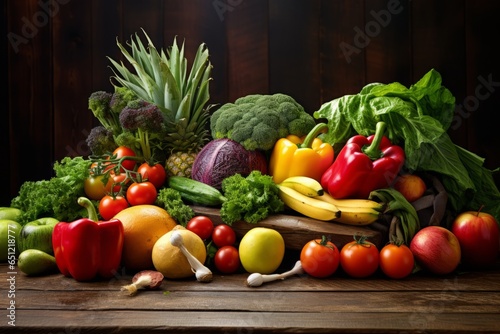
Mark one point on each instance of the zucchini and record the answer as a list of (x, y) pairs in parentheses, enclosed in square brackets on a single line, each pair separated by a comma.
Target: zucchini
[(196, 192)]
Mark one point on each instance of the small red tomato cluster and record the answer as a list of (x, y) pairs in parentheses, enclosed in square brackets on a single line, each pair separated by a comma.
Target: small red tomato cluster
[(222, 239), (121, 181), (359, 258)]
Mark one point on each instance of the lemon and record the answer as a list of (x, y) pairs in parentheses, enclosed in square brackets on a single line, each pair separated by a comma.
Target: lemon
[(169, 259), (261, 250)]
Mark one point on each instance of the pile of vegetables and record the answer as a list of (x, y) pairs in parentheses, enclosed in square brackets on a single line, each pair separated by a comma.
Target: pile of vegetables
[(244, 133), (417, 118)]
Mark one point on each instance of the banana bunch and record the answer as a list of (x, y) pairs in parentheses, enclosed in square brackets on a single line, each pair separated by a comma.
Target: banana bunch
[(306, 196)]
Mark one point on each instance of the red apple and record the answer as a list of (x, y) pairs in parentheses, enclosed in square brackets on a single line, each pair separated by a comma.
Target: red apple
[(436, 249), (478, 234), (411, 186)]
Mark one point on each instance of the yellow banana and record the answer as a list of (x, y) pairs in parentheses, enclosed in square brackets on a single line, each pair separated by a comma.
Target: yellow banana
[(304, 185), (308, 206), (348, 204), (358, 217)]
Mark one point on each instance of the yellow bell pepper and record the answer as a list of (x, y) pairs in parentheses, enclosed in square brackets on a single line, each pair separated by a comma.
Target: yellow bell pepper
[(306, 156)]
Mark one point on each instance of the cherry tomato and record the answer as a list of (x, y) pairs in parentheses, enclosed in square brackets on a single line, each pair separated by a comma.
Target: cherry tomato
[(396, 261), (223, 235), (359, 258), (94, 187), (141, 193), (202, 226), (116, 182), (155, 174), (109, 206), (100, 168), (123, 151), (320, 258), (227, 259)]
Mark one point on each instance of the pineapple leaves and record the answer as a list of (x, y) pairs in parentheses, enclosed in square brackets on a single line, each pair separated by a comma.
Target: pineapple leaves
[(160, 76)]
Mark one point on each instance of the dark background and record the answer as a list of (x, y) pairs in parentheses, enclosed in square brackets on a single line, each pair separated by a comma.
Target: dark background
[(56, 57)]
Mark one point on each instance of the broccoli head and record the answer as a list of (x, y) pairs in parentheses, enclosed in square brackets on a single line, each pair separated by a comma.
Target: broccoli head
[(120, 98), (100, 141), (144, 123), (99, 104), (257, 121)]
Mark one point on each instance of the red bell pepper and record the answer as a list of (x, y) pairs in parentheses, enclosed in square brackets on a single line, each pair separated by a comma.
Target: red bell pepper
[(364, 164), (87, 248)]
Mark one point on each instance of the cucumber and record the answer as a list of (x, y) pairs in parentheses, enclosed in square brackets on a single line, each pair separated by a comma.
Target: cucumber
[(196, 192)]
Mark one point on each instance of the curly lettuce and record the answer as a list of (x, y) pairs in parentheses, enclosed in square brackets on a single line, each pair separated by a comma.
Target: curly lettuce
[(250, 198), (56, 197)]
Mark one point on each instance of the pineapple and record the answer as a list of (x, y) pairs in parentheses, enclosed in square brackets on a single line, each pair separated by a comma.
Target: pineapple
[(161, 78), (180, 163)]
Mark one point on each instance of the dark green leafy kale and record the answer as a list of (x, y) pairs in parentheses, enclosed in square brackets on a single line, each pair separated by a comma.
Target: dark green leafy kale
[(170, 199), (250, 198), (56, 197)]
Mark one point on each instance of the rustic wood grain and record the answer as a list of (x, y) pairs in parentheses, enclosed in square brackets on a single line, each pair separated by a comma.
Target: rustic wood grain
[(247, 49), (105, 31), (294, 51), (386, 28), (29, 106), (483, 282), (459, 302), (342, 59), (483, 77), (438, 42), (72, 63), (261, 322)]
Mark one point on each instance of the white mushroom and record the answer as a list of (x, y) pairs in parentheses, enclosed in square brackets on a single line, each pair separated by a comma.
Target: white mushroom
[(202, 273), (257, 279)]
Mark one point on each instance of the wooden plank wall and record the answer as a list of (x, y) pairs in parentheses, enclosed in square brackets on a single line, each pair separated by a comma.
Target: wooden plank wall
[(56, 56)]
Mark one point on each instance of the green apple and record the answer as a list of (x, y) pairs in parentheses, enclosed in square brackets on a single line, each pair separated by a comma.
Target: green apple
[(9, 237), (10, 213), (37, 235)]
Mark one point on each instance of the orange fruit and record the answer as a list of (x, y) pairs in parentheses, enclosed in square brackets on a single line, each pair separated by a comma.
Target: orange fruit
[(143, 225), (170, 261)]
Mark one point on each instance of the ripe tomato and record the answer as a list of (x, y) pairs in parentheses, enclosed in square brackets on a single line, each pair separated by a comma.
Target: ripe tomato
[(100, 168), (359, 258), (117, 181), (123, 151), (227, 259), (202, 226), (223, 235), (94, 187), (141, 193), (396, 261), (320, 258), (155, 174), (109, 206)]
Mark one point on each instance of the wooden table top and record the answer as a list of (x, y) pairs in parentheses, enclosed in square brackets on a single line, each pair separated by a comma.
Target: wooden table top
[(421, 303)]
